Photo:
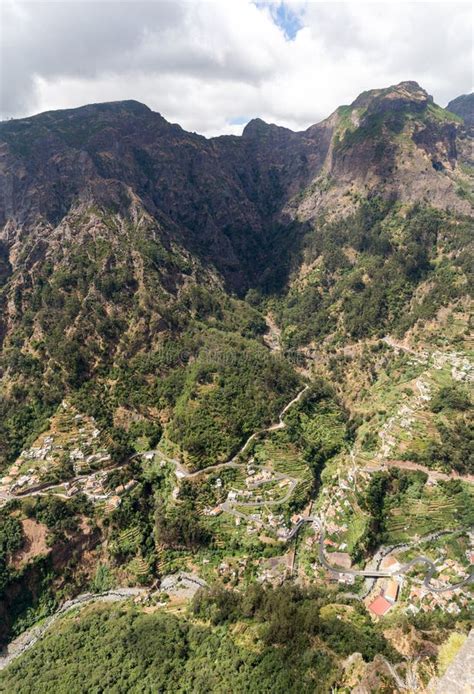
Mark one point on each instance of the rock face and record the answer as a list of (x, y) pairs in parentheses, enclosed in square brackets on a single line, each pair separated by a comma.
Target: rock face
[(463, 106), (224, 197), (118, 229), (219, 197), (395, 142), (459, 676)]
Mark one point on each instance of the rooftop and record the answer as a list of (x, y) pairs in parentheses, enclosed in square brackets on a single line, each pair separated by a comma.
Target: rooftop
[(391, 590), (380, 606)]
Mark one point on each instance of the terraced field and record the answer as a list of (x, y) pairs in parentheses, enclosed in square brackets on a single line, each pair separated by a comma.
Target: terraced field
[(434, 511)]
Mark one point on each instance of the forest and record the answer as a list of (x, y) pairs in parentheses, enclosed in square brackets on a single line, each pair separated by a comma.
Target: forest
[(266, 640)]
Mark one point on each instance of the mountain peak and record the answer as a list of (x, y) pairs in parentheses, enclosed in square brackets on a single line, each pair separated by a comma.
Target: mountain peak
[(128, 105), (394, 98), (255, 127)]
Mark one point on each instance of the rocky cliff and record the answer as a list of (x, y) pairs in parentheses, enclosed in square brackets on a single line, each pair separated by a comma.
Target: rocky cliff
[(222, 198), (120, 231), (463, 106)]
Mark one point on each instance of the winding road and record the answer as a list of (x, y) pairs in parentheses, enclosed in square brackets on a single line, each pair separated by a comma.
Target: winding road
[(169, 584), (369, 573), (182, 471), (29, 638), (229, 506)]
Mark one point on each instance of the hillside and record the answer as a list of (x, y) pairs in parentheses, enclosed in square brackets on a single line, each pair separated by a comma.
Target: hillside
[(244, 360)]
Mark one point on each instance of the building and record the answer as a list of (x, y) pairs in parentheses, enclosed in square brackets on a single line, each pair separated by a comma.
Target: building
[(380, 606), (391, 591)]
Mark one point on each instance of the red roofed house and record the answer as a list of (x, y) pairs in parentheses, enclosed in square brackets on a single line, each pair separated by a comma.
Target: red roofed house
[(380, 606)]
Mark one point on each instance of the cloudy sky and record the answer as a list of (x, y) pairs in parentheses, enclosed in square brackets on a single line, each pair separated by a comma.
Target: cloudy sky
[(213, 65)]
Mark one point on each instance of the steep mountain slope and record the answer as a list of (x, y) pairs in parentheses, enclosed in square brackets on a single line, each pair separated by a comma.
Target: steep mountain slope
[(149, 424), (463, 106), (111, 219), (222, 196), (213, 195), (395, 142)]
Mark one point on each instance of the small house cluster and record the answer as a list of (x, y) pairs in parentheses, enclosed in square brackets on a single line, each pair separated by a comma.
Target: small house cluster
[(386, 598)]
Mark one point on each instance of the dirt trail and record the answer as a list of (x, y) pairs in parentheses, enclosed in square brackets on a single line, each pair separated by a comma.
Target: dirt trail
[(182, 472), (409, 465)]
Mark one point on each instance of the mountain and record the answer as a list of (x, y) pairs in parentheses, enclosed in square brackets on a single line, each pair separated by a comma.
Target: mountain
[(223, 197), (190, 324), (393, 142), (463, 106), (119, 229)]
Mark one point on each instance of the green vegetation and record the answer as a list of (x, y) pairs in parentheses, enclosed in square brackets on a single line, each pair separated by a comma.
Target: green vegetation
[(319, 425), (283, 640), (454, 397), (59, 516), (11, 539), (230, 391), (180, 529), (292, 617), (394, 253), (200, 354), (401, 506), (382, 124), (449, 445), (454, 450), (103, 580), (132, 311), (448, 651)]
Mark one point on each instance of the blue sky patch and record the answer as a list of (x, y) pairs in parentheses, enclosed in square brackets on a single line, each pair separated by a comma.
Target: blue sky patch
[(239, 120), (284, 17)]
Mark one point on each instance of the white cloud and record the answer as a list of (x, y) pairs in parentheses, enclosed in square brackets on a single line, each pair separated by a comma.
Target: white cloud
[(209, 64)]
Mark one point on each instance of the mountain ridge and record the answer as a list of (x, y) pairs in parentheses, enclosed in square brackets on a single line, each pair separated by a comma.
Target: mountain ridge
[(130, 212), (205, 343), (110, 154)]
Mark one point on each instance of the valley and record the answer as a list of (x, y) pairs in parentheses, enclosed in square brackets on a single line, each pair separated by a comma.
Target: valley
[(236, 396)]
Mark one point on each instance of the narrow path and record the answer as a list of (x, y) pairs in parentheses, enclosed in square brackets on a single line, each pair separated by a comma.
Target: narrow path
[(45, 488), (230, 507), (409, 465), (182, 471), (28, 638)]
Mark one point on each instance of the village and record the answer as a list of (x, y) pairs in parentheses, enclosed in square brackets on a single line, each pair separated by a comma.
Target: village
[(71, 457), (337, 510)]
